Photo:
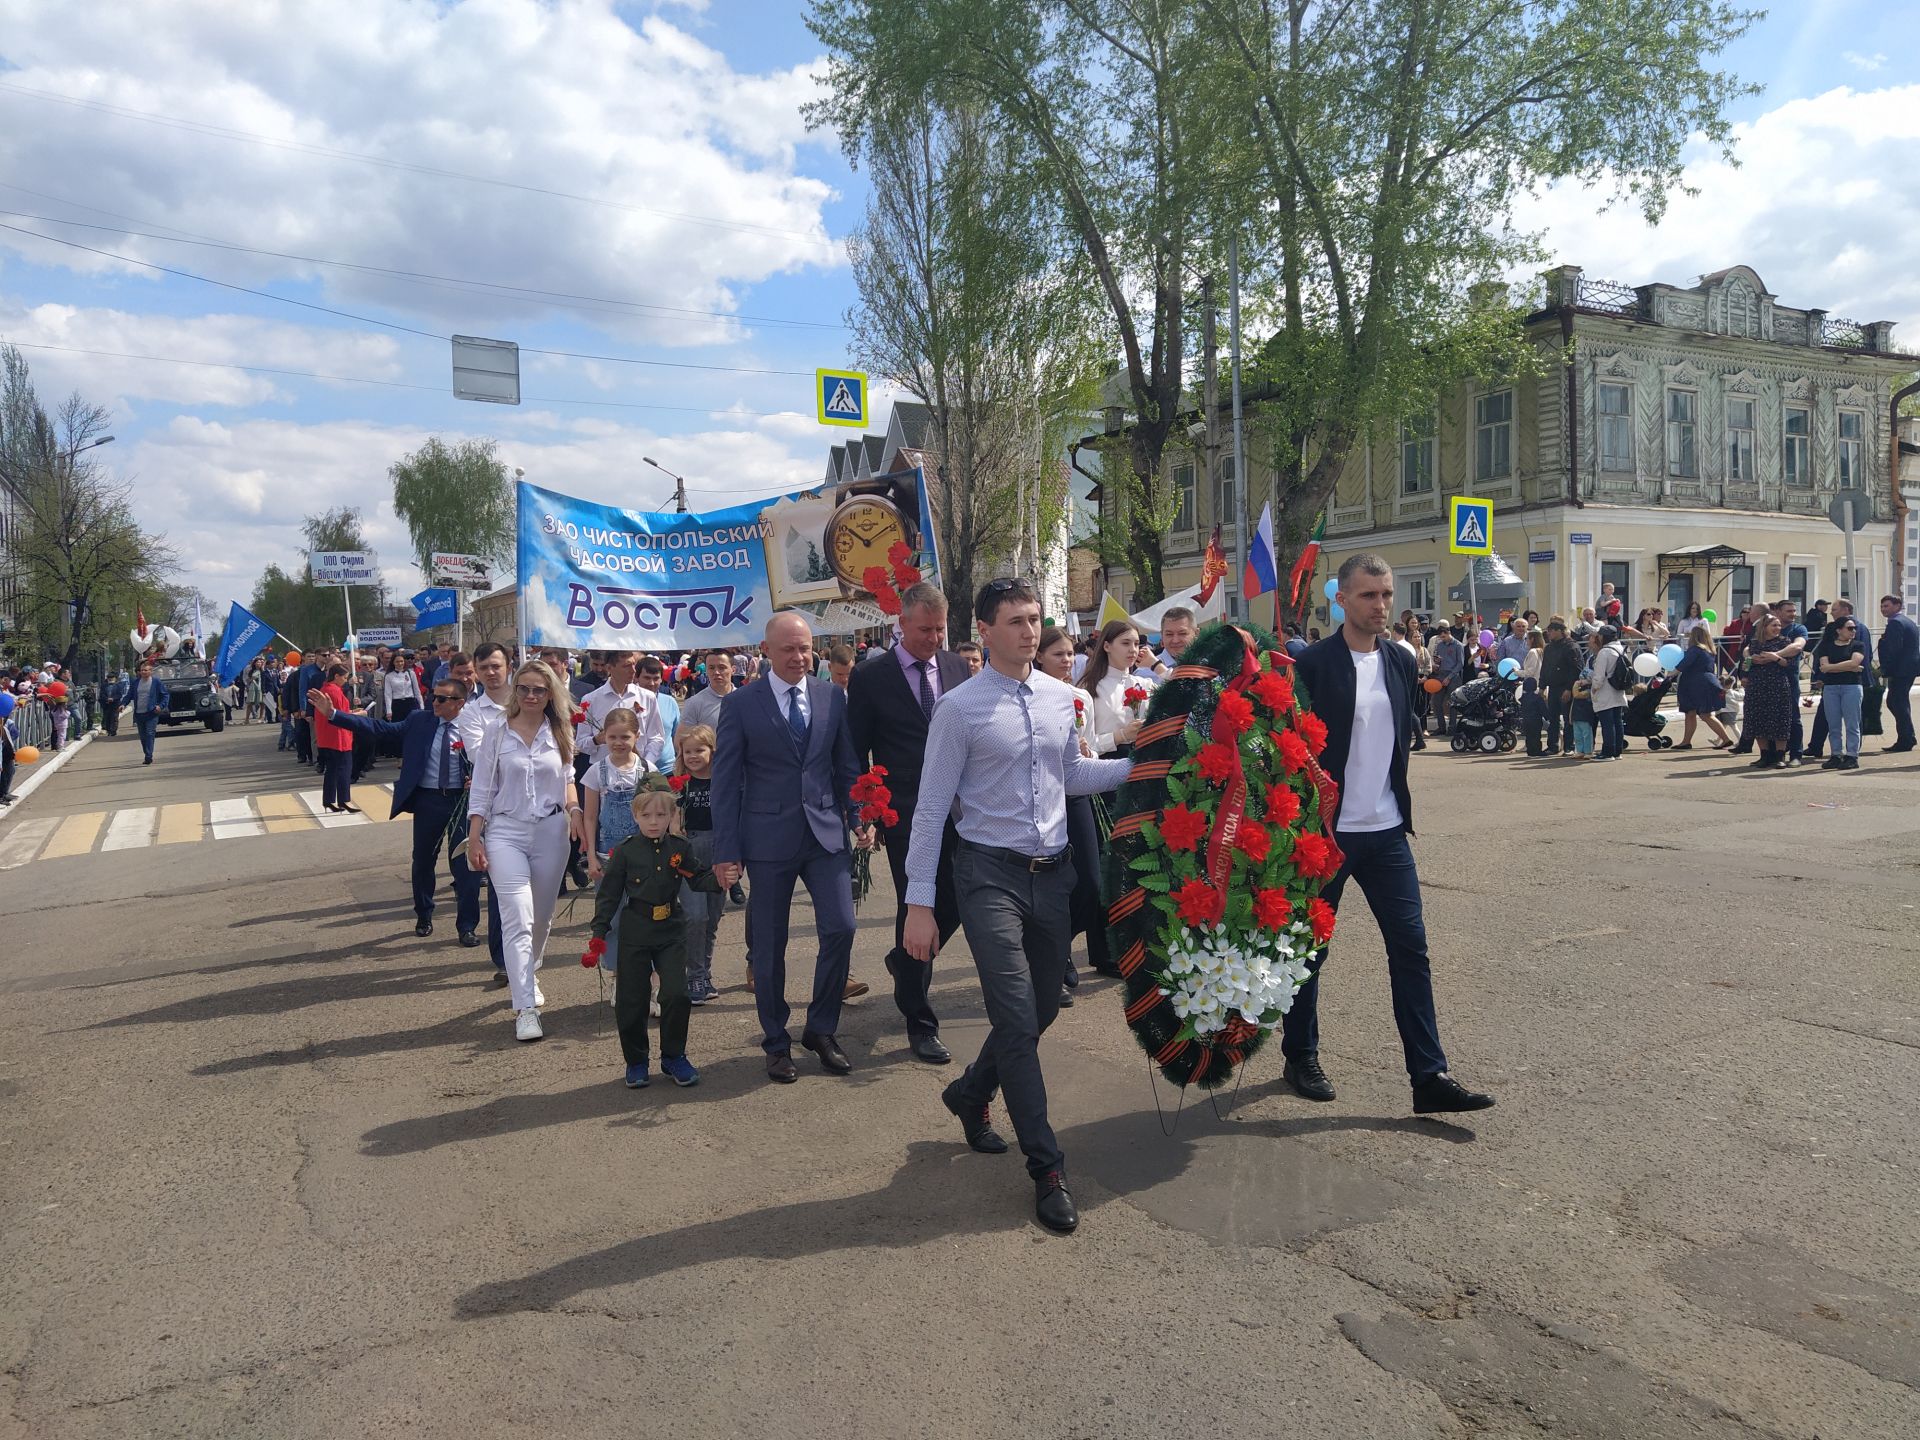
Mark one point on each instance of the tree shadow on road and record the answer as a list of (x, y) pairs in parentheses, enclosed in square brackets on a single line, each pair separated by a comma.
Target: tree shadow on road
[(940, 1191)]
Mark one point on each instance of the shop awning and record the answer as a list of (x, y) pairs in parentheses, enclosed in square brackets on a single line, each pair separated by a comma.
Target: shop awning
[(1719, 561), (1493, 579)]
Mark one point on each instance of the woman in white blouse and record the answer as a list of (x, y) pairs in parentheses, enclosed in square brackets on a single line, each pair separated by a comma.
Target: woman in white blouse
[(1112, 722), (521, 813), (398, 697)]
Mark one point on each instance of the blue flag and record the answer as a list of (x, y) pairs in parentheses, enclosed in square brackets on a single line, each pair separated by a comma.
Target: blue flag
[(245, 637), (437, 606)]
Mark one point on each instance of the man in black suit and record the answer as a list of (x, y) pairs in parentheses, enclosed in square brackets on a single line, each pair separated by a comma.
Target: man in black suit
[(890, 702), (1360, 684)]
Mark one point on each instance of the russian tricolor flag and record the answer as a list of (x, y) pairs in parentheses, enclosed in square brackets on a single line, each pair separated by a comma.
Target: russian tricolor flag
[(1261, 576)]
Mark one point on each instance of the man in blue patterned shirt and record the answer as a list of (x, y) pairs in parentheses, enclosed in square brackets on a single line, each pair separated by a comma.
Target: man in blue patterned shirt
[(1003, 754)]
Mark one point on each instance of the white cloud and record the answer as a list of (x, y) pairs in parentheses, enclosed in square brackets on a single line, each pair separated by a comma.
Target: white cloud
[(1875, 61), (1824, 206), (566, 96)]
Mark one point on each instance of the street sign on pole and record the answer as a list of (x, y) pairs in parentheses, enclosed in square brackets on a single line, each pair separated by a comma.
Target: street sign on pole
[(1849, 511), (463, 572), (840, 397), (486, 370), (343, 567), (371, 635), (1469, 526)]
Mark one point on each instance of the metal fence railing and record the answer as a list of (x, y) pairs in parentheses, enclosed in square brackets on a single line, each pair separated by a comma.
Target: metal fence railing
[(33, 720)]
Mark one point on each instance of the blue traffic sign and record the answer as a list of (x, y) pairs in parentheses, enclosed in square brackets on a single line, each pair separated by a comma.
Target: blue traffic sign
[(1470, 526), (840, 397)]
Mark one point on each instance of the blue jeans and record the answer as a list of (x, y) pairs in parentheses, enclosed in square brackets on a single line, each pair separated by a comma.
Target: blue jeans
[(1382, 862), (1613, 731), (148, 726), (1840, 704), (703, 919)]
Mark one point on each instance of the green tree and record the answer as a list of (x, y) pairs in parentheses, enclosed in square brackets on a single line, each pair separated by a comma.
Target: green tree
[(1388, 142), (314, 615), (455, 499), (1101, 110)]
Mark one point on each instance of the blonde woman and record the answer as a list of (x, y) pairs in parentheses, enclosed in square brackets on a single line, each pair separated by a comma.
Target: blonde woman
[(521, 815)]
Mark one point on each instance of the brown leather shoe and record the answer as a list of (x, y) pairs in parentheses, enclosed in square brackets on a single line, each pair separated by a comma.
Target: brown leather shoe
[(855, 989), (780, 1068), (832, 1058)]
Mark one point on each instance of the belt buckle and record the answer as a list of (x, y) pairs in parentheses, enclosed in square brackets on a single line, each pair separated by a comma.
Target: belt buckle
[(1035, 863), (663, 912)]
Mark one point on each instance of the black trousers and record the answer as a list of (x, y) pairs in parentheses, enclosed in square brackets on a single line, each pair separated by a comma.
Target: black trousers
[(6, 770), (662, 952), (912, 979), (303, 740), (336, 777), (110, 716), (1089, 908), (1900, 707)]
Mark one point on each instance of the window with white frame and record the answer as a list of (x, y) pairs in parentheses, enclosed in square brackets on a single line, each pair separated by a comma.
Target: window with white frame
[(1741, 589), (1183, 489), (1740, 438), (1683, 427), (1797, 583), (1226, 499), (1616, 427), (1853, 449), (1419, 594), (1796, 449), (1417, 455), (1493, 435)]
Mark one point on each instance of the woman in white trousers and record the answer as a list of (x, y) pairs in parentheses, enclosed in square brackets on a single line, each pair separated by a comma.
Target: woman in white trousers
[(521, 812)]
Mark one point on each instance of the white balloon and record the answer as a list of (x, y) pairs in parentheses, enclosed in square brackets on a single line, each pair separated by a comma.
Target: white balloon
[(1646, 665)]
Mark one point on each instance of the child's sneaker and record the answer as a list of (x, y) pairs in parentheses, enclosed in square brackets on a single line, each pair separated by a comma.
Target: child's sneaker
[(680, 1069), (704, 997), (637, 1076)]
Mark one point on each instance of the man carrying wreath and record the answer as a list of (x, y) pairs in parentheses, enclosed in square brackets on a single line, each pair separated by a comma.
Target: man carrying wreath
[(1361, 686)]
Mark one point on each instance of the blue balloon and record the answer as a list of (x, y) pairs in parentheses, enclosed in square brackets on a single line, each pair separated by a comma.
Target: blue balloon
[(1670, 656), (1509, 668), (7, 702), (1332, 588), (1338, 612)]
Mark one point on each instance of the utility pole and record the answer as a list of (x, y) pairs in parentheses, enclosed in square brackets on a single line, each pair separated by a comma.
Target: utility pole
[(1209, 397), (1242, 501)]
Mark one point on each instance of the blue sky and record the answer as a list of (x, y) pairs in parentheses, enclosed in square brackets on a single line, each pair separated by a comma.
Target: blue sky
[(200, 120)]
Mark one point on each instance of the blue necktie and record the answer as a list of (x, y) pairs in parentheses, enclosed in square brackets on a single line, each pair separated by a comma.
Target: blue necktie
[(796, 720), (448, 774)]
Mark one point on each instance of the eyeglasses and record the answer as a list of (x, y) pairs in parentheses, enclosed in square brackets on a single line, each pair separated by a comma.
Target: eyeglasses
[(530, 690)]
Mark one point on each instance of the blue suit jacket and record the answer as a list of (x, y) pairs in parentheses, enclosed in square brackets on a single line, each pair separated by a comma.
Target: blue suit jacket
[(766, 794), (157, 695), (1900, 647), (416, 734)]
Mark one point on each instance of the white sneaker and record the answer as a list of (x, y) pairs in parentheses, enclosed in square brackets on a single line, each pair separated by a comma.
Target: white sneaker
[(539, 995), (527, 1027)]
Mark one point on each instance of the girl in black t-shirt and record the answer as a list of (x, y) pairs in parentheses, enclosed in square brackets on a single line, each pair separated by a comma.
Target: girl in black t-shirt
[(1840, 661)]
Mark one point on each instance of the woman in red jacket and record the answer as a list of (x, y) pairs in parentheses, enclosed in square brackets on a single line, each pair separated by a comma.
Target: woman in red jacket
[(335, 745)]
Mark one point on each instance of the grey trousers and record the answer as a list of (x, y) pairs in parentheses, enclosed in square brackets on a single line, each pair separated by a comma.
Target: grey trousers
[(1019, 926)]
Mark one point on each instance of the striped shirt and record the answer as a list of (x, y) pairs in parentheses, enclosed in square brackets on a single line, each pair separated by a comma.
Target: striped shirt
[(1003, 755)]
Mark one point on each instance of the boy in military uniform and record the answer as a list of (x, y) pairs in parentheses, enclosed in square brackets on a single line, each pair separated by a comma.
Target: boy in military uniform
[(644, 873)]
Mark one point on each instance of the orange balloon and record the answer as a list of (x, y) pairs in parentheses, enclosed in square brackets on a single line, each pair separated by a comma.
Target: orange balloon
[(293, 657), (27, 754), (1434, 687)]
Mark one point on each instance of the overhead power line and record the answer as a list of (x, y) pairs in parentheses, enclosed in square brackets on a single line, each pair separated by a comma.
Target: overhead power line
[(250, 137)]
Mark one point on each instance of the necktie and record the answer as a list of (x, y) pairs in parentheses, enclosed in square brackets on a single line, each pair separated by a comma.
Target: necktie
[(449, 774), (926, 687), (796, 718)]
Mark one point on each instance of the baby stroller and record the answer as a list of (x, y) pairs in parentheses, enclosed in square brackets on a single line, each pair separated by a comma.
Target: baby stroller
[(1486, 715), (1643, 718)]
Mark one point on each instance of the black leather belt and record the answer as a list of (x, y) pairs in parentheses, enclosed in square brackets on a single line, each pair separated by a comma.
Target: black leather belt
[(1032, 864)]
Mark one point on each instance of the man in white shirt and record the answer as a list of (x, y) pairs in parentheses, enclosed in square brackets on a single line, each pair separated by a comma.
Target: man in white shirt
[(621, 692), (1361, 686), (1177, 629), (487, 707)]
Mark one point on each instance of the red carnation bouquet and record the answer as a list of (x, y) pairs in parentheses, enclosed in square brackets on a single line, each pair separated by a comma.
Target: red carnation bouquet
[(1216, 863), (885, 582), (875, 807)]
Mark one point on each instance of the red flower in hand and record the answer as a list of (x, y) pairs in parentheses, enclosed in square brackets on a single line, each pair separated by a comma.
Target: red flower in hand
[(1320, 916), (1252, 840), (1270, 908), (1200, 903), (1134, 694), (898, 552), (1283, 805), (891, 818), (1293, 751), (677, 782), (1233, 716), (1274, 691), (1315, 730), (579, 717), (1316, 857), (1216, 761), (596, 947), (1182, 828)]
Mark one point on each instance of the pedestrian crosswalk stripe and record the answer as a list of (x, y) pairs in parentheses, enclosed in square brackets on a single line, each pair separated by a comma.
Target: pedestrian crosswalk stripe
[(75, 835), (130, 829), (136, 828), (23, 842)]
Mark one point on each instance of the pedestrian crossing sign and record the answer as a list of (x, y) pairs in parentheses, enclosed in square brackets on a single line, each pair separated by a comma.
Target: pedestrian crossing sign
[(840, 397), (1470, 526)]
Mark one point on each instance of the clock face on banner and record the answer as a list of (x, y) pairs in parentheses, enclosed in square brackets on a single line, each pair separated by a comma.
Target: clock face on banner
[(861, 532)]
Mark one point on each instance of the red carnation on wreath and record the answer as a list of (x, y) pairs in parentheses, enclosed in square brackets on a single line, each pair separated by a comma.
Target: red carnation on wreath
[(1316, 857), (1294, 751), (1181, 828), (1199, 903), (1215, 761), (1233, 717), (1253, 841), (1271, 909), (1320, 917), (1314, 729), (1283, 804), (1274, 691)]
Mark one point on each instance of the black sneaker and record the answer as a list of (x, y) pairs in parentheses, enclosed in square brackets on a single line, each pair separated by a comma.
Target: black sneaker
[(1308, 1080), (1442, 1094), (1052, 1205)]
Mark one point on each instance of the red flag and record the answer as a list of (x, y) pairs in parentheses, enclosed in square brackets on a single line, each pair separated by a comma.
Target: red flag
[(1213, 567), (1302, 569)]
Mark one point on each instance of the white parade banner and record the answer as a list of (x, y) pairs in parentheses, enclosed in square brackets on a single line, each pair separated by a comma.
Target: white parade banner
[(343, 567)]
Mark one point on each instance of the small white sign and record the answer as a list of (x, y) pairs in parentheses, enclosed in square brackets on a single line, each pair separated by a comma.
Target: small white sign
[(343, 567), (371, 635)]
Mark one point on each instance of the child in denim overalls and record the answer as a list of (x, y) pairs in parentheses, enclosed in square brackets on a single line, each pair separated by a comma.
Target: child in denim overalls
[(610, 783)]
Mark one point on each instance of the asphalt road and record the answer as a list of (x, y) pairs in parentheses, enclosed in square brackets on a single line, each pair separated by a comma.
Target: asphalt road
[(275, 1167)]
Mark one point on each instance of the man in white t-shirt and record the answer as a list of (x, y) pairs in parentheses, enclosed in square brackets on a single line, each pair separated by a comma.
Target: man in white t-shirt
[(621, 692), (1361, 686)]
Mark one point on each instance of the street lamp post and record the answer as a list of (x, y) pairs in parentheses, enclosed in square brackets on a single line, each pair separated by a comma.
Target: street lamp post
[(679, 484)]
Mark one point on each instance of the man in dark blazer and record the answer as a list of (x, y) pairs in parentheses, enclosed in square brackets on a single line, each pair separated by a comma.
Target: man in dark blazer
[(783, 773), (1899, 666), (1360, 683), (890, 701), (432, 784)]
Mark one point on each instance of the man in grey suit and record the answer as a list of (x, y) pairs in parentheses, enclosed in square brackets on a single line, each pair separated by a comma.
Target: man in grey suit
[(783, 773)]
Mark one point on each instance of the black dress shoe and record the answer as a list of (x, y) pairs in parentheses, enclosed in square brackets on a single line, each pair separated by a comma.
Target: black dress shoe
[(930, 1049), (832, 1058), (976, 1124), (1052, 1205), (1308, 1080), (780, 1068), (499, 978), (469, 939), (424, 927), (1066, 998), (1443, 1093)]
